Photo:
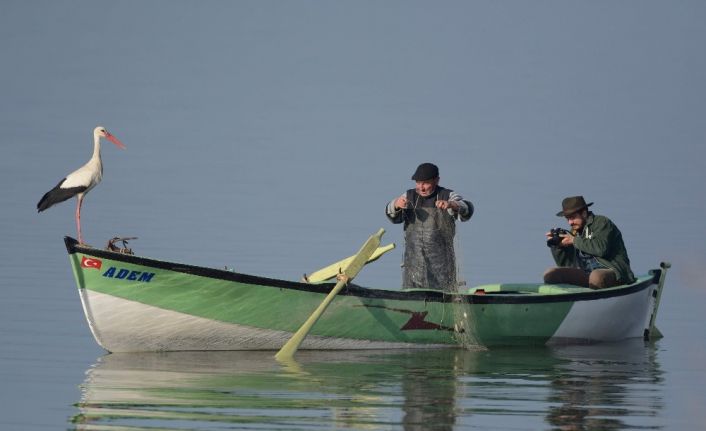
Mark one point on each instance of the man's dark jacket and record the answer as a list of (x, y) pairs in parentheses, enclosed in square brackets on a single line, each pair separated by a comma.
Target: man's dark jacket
[(600, 238)]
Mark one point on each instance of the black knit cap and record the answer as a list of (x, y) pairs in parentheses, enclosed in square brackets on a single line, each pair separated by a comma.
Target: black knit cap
[(426, 172)]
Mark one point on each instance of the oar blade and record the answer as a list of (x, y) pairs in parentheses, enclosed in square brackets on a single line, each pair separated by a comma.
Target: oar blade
[(363, 255)]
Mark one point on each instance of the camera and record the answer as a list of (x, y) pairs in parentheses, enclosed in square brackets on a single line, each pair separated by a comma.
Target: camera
[(556, 239)]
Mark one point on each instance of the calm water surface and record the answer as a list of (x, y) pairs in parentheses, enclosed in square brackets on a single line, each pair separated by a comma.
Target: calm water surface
[(598, 387), (268, 136)]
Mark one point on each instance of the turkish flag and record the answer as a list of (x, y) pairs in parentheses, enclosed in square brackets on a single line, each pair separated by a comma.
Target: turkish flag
[(89, 262)]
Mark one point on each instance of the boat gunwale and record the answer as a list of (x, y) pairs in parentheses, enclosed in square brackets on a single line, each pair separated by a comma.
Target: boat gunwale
[(73, 246)]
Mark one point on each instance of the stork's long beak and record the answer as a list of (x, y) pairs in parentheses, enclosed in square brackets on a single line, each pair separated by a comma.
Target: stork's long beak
[(114, 140)]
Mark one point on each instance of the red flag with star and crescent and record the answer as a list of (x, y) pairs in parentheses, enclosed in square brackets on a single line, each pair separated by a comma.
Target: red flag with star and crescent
[(89, 262)]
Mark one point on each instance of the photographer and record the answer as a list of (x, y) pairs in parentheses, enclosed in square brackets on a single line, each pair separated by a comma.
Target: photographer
[(592, 254)]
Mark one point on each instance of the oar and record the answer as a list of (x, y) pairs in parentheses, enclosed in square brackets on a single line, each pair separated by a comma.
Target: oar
[(349, 272), (334, 269)]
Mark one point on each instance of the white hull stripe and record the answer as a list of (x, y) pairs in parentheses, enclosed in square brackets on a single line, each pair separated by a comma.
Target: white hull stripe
[(607, 319), (129, 326)]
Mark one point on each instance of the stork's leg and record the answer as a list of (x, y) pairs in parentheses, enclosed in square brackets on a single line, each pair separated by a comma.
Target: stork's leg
[(78, 217)]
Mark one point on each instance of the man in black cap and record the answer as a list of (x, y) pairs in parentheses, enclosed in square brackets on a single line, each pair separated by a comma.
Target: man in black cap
[(429, 213), (593, 254)]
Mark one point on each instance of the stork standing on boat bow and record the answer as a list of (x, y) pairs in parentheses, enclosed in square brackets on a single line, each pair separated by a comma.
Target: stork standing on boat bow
[(80, 181)]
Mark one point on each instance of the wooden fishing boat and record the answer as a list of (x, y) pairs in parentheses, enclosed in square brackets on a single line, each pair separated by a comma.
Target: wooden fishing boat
[(136, 303)]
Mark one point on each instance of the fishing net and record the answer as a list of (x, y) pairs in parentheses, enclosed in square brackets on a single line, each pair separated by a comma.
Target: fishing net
[(430, 262), (464, 332)]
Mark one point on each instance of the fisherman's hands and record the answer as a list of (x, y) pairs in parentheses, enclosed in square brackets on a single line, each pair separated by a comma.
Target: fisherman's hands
[(401, 203), (443, 205)]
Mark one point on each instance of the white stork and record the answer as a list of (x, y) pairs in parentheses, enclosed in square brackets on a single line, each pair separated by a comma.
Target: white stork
[(80, 181)]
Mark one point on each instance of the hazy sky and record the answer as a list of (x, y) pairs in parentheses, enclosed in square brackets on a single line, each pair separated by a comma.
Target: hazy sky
[(276, 131)]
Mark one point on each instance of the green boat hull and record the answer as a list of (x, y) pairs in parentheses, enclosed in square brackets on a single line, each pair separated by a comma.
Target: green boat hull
[(140, 304)]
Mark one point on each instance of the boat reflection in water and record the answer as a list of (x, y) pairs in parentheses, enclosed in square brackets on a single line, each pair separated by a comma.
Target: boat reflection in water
[(605, 386)]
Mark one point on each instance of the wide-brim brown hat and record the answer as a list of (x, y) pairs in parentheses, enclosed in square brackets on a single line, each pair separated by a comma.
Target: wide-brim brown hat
[(572, 204)]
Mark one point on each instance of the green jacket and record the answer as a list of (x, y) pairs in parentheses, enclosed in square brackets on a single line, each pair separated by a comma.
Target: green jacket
[(602, 239)]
